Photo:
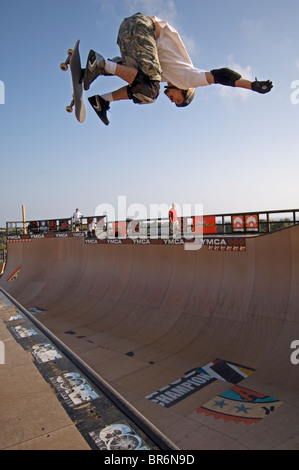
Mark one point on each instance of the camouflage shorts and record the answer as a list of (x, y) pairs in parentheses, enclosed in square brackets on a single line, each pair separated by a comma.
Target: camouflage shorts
[(137, 43)]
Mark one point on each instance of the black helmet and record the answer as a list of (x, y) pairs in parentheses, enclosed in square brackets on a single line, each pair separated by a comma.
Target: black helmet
[(188, 95)]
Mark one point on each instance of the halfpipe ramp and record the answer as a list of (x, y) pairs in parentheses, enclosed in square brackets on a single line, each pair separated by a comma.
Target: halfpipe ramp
[(198, 341)]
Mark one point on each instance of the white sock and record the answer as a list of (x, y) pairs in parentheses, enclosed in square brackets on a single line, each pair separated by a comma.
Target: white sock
[(110, 66), (107, 97)]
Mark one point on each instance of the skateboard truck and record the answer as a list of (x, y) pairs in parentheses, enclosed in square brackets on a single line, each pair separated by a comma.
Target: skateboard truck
[(64, 65), (69, 108)]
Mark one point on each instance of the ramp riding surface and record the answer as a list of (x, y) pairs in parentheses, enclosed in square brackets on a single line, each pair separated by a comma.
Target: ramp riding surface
[(198, 341)]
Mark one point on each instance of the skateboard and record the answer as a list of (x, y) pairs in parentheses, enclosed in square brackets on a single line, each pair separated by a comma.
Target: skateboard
[(73, 59)]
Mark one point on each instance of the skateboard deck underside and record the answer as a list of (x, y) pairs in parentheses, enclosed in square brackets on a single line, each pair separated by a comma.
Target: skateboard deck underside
[(76, 72)]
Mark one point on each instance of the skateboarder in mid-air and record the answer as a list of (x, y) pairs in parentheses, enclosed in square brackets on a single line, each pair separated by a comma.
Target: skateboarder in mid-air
[(153, 52)]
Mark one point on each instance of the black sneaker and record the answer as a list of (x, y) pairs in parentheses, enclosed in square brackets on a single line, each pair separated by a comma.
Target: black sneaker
[(262, 87), (101, 107), (95, 66)]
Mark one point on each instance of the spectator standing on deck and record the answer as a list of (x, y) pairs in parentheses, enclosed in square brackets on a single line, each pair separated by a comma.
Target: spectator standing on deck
[(173, 220), (91, 228), (77, 216)]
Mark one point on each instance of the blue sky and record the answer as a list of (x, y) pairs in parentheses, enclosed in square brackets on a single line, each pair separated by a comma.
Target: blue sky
[(230, 150)]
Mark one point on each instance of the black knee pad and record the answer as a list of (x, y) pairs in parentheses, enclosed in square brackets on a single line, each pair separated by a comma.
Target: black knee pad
[(225, 76), (143, 90)]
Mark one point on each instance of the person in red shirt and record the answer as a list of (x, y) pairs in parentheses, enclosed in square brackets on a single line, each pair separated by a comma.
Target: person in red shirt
[(173, 220)]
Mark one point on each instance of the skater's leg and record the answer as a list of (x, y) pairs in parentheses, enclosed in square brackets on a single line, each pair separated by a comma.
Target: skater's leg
[(128, 74), (116, 95), (97, 65)]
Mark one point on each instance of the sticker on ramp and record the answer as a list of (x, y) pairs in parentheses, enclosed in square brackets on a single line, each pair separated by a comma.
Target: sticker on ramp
[(228, 371), (240, 405), (13, 276), (36, 310), (198, 378), (45, 352), (15, 317), (118, 436), (21, 332), (73, 388)]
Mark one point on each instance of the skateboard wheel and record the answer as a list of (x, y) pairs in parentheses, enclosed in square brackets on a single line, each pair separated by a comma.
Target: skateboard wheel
[(64, 65), (69, 109)]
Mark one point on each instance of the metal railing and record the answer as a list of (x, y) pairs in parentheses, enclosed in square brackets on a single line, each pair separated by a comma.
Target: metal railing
[(40, 227), (246, 223), (240, 223)]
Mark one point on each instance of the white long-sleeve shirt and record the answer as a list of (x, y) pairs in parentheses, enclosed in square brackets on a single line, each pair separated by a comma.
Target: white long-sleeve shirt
[(177, 67)]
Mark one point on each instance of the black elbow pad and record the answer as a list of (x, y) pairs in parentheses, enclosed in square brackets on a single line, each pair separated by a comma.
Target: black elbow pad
[(225, 76)]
